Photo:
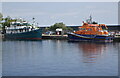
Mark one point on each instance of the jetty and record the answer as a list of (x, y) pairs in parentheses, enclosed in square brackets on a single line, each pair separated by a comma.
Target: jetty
[(117, 37), (1, 36), (65, 37), (58, 37)]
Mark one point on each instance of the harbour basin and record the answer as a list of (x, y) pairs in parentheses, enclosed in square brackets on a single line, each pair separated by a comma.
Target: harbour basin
[(59, 58)]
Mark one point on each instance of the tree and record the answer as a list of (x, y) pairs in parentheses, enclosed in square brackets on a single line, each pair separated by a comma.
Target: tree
[(69, 29), (57, 25), (60, 25), (46, 29), (6, 23), (8, 20), (1, 16)]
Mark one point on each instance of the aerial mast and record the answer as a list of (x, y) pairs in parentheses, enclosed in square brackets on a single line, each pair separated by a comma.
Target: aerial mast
[(90, 19), (33, 22)]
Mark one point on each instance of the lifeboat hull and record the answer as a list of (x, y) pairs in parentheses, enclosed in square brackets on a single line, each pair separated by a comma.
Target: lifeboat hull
[(84, 37)]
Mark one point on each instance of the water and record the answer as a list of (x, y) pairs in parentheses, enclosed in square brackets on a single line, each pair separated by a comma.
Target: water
[(59, 58), (0, 57)]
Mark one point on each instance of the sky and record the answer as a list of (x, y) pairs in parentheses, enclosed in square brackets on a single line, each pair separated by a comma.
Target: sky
[(0, 6), (70, 13), (60, 0)]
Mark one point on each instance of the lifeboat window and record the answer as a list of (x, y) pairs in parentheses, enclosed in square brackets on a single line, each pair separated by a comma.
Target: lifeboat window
[(82, 29), (103, 27), (89, 29)]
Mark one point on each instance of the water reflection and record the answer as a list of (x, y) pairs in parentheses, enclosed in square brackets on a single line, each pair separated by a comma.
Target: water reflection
[(59, 58), (92, 51), (0, 58)]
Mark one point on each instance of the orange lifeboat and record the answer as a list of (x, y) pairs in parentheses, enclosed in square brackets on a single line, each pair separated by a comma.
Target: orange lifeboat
[(91, 31)]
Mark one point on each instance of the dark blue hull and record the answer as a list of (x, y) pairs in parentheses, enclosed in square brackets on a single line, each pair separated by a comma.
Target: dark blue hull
[(80, 37), (30, 35)]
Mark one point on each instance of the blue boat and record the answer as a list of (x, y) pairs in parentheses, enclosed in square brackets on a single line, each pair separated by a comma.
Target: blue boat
[(22, 31)]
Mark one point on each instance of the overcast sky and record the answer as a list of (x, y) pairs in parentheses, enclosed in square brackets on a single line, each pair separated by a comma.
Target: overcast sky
[(70, 13)]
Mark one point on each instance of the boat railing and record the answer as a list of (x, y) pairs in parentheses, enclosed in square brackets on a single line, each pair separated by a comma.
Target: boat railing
[(19, 30)]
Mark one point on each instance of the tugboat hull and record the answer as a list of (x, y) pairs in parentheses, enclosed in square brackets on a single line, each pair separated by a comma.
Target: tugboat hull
[(30, 35)]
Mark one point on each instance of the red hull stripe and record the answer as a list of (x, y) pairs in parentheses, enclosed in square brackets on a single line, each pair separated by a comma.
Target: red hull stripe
[(30, 38)]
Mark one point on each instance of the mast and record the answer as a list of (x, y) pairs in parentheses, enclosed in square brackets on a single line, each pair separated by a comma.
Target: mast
[(90, 19), (33, 22)]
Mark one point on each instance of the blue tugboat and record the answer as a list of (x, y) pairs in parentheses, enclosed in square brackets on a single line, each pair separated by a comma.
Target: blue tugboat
[(22, 31)]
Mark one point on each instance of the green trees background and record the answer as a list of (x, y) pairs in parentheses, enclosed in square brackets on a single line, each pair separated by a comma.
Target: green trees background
[(1, 16), (60, 25)]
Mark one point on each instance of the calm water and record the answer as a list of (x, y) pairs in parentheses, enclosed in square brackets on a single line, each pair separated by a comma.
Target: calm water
[(0, 57), (59, 58)]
